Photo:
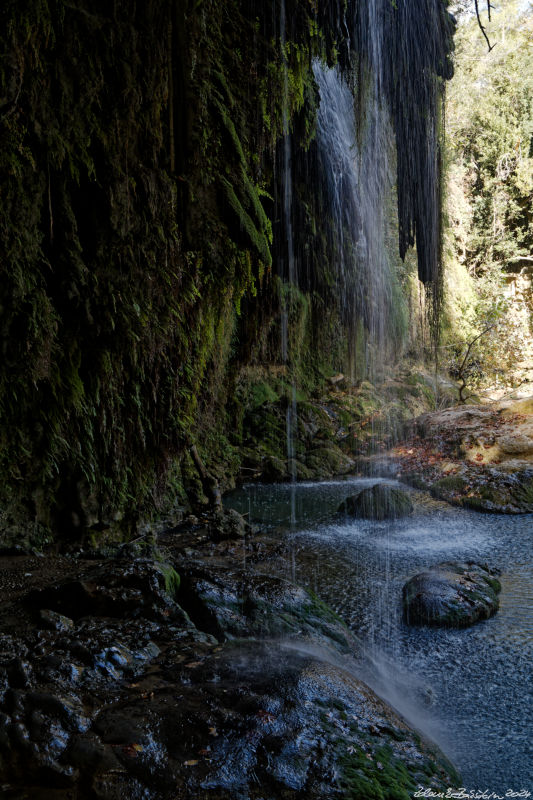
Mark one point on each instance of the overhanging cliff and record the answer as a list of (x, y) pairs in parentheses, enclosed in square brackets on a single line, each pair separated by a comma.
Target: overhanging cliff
[(144, 249)]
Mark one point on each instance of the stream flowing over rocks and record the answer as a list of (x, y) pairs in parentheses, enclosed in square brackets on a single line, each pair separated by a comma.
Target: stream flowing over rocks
[(164, 672)]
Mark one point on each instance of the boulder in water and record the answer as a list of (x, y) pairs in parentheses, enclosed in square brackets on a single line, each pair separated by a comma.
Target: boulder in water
[(378, 502), (451, 595)]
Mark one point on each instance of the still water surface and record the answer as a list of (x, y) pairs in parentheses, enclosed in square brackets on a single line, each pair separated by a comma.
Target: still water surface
[(471, 690)]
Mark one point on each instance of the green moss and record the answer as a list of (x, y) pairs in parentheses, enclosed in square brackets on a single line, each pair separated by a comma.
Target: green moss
[(256, 237), (494, 584), (172, 579), (362, 777), (262, 393), (326, 461), (449, 484), (321, 608), (523, 493)]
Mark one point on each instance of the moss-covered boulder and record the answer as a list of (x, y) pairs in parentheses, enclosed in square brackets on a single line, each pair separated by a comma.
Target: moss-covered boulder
[(451, 595), (496, 491), (329, 460), (378, 502), (478, 457), (227, 524), (448, 487)]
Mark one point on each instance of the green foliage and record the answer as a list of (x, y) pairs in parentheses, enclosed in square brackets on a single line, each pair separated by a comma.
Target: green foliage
[(262, 393), (137, 201), (489, 199), (491, 119), (117, 304), (256, 238)]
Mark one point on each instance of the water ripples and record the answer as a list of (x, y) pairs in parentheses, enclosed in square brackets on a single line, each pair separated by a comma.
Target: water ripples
[(468, 689)]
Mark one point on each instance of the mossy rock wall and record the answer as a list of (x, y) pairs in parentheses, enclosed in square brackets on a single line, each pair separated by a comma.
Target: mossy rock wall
[(134, 160), (140, 191)]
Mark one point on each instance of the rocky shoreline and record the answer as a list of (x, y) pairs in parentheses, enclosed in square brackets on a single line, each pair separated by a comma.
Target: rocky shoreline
[(478, 457), (161, 670)]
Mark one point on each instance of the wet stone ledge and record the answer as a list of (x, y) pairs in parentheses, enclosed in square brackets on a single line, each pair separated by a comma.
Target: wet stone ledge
[(151, 677)]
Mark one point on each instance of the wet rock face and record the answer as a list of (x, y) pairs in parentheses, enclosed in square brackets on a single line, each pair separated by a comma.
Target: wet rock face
[(227, 524), (140, 587), (240, 604), (263, 721), (246, 721), (451, 595), (378, 502), (110, 690)]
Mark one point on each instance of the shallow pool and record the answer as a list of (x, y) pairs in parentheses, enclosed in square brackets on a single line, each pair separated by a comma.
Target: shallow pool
[(470, 690)]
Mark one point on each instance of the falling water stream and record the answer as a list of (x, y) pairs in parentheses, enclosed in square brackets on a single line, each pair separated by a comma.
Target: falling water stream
[(470, 690), (290, 276), (355, 163)]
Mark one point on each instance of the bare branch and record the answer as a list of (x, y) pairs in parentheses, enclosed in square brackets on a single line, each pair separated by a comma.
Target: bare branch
[(472, 343), (481, 26)]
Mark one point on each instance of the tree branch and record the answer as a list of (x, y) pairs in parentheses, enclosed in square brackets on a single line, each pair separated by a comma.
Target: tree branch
[(460, 371), (481, 26), (209, 482)]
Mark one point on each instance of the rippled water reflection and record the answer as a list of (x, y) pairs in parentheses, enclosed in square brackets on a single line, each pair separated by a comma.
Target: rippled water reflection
[(470, 689)]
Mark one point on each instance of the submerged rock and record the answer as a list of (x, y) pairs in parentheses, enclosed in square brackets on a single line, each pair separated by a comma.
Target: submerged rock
[(378, 502), (451, 595)]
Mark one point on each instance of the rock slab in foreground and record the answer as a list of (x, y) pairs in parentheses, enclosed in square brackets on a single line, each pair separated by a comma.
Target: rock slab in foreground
[(130, 697), (451, 595), (378, 502)]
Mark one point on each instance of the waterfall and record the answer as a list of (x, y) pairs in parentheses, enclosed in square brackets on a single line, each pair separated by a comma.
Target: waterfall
[(354, 198), (356, 163), (378, 145), (396, 61)]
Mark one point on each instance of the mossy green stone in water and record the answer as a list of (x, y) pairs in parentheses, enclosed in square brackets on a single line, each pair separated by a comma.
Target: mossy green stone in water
[(451, 595), (378, 502)]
